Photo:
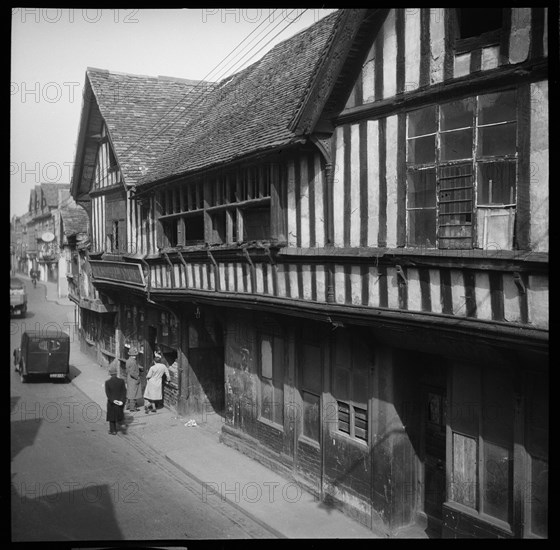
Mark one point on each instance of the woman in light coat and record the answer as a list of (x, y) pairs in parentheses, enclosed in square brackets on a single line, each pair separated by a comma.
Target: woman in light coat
[(154, 387)]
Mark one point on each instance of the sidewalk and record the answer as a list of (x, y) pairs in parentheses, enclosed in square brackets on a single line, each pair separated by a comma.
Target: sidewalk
[(220, 471)]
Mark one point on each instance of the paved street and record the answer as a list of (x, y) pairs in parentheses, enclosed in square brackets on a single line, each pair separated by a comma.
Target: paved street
[(73, 481)]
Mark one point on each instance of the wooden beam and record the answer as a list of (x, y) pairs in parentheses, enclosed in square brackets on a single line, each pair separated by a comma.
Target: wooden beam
[(486, 81)]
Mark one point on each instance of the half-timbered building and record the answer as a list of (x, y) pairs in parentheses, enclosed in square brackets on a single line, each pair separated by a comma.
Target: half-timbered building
[(122, 130), (351, 243)]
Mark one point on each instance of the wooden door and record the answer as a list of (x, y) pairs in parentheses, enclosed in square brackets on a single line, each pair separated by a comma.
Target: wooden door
[(434, 454)]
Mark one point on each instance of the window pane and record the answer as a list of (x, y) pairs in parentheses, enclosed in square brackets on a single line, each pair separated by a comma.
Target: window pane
[(497, 480), (266, 357), (422, 150), (457, 114), (463, 486), (456, 145), (496, 182), (497, 107), (311, 417), (495, 141), (539, 497), (421, 188), (422, 228), (422, 121), (267, 399)]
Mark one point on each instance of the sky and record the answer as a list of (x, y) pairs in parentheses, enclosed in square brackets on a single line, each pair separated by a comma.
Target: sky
[(51, 49)]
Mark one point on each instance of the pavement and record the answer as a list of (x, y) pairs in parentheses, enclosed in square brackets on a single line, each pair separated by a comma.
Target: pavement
[(274, 501)]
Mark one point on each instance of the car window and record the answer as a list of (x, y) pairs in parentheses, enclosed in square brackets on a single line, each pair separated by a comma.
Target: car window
[(51, 344), (16, 284)]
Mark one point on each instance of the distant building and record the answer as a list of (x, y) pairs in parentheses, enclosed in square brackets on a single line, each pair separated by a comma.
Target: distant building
[(41, 239)]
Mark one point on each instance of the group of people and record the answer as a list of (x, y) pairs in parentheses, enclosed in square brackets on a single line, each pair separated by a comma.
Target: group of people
[(118, 392)]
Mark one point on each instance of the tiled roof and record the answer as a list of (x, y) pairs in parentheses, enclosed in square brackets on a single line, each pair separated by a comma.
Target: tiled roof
[(74, 220), (144, 114), (251, 111)]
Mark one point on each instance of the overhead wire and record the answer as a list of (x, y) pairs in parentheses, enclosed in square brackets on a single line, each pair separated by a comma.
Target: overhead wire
[(201, 84), (237, 63), (197, 100)]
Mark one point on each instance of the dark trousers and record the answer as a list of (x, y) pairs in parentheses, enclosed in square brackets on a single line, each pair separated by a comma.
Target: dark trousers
[(113, 426)]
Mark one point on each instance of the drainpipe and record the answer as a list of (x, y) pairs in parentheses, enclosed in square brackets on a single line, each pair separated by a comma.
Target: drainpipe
[(149, 282), (185, 266), (172, 270), (253, 274), (216, 270)]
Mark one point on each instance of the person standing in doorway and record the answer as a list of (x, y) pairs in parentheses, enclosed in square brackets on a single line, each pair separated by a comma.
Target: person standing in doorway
[(154, 387), (115, 390), (133, 382)]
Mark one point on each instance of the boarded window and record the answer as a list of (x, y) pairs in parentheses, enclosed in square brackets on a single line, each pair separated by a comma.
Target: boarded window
[(455, 206)]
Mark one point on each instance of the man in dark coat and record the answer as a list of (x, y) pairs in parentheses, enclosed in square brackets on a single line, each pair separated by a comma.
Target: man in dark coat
[(115, 389), (133, 382)]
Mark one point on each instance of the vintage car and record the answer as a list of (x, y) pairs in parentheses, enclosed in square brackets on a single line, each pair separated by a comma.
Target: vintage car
[(18, 297), (43, 353)]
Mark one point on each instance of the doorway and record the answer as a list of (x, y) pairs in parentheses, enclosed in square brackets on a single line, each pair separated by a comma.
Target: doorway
[(434, 401)]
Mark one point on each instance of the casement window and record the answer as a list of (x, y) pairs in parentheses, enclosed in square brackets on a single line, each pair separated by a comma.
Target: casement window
[(310, 368), (461, 173), (271, 370), (482, 427), (351, 389)]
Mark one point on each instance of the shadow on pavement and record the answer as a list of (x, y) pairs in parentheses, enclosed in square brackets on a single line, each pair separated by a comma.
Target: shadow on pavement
[(60, 514)]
